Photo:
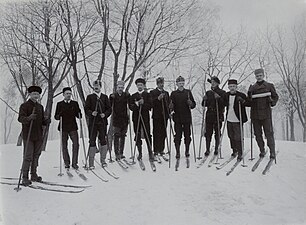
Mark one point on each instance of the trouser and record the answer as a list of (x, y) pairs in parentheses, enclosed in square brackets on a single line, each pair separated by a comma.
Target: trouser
[(94, 131), (75, 146), (31, 154), (209, 129), (267, 126), (159, 135), (179, 129), (145, 128), (234, 134), (119, 139)]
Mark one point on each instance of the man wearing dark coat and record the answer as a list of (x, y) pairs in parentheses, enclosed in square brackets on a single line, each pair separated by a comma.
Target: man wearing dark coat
[(119, 103), (160, 115), (141, 99), (31, 115), (67, 111), (212, 99), (98, 109), (233, 99), (262, 97), (182, 102)]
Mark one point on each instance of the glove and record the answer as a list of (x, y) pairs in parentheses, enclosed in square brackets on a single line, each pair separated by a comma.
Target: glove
[(141, 102), (217, 96), (161, 96), (112, 95), (240, 99), (189, 102), (271, 101), (33, 116), (94, 113), (102, 115)]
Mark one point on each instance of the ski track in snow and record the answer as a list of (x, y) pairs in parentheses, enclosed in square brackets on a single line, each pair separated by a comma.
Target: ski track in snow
[(188, 196)]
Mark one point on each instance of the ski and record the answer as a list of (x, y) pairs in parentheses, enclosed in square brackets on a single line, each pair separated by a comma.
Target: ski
[(212, 160), (37, 187), (202, 161), (111, 173), (153, 166), (127, 162), (165, 158), (100, 177), (225, 163), (141, 164), (187, 162), (81, 175), (236, 164), (257, 164), (69, 173), (268, 166), (177, 164), (158, 159), (122, 165), (52, 183)]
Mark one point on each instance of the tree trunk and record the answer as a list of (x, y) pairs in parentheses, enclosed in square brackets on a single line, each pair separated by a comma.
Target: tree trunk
[(291, 122)]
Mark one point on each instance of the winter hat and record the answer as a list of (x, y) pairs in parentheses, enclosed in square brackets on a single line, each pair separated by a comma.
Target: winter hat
[(180, 79), (98, 82), (214, 78), (257, 71), (232, 81), (160, 80), (140, 80), (66, 89), (120, 82), (34, 89)]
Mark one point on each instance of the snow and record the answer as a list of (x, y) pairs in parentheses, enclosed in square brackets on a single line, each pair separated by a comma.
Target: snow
[(188, 196)]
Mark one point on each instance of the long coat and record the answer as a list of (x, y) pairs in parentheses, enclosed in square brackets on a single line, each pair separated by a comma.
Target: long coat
[(146, 107), (182, 111), (100, 104), (157, 105), (119, 107), (68, 111), (261, 107), (236, 105), (210, 103), (25, 110)]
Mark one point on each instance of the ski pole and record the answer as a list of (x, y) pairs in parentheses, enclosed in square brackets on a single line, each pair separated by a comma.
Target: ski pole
[(83, 141), (130, 131), (252, 157), (146, 132), (192, 133), (202, 132), (18, 188), (218, 124), (222, 135), (137, 130), (241, 134), (61, 148), (165, 125)]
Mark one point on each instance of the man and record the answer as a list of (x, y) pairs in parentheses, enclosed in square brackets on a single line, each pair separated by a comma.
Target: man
[(31, 115), (98, 109), (141, 99), (182, 102), (262, 97), (119, 103), (160, 101), (67, 111), (233, 99), (212, 99)]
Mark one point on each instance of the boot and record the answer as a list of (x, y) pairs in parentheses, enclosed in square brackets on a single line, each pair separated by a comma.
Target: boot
[(121, 146), (36, 178), (187, 154), (91, 156), (178, 154), (25, 179), (103, 153), (262, 153), (139, 148), (207, 147)]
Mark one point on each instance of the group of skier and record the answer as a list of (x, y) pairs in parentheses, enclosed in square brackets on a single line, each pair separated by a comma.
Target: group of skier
[(166, 108)]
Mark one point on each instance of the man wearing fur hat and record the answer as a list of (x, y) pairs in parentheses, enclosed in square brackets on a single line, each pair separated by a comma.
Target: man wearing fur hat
[(141, 100), (67, 111), (31, 115), (119, 102), (233, 99), (212, 99), (182, 102), (262, 97), (98, 109), (160, 115)]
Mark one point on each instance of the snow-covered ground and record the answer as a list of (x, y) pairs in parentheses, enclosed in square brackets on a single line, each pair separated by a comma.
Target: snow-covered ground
[(189, 196)]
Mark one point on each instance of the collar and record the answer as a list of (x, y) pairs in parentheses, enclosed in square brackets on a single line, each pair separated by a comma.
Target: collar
[(98, 94), (140, 92), (67, 101), (161, 90)]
